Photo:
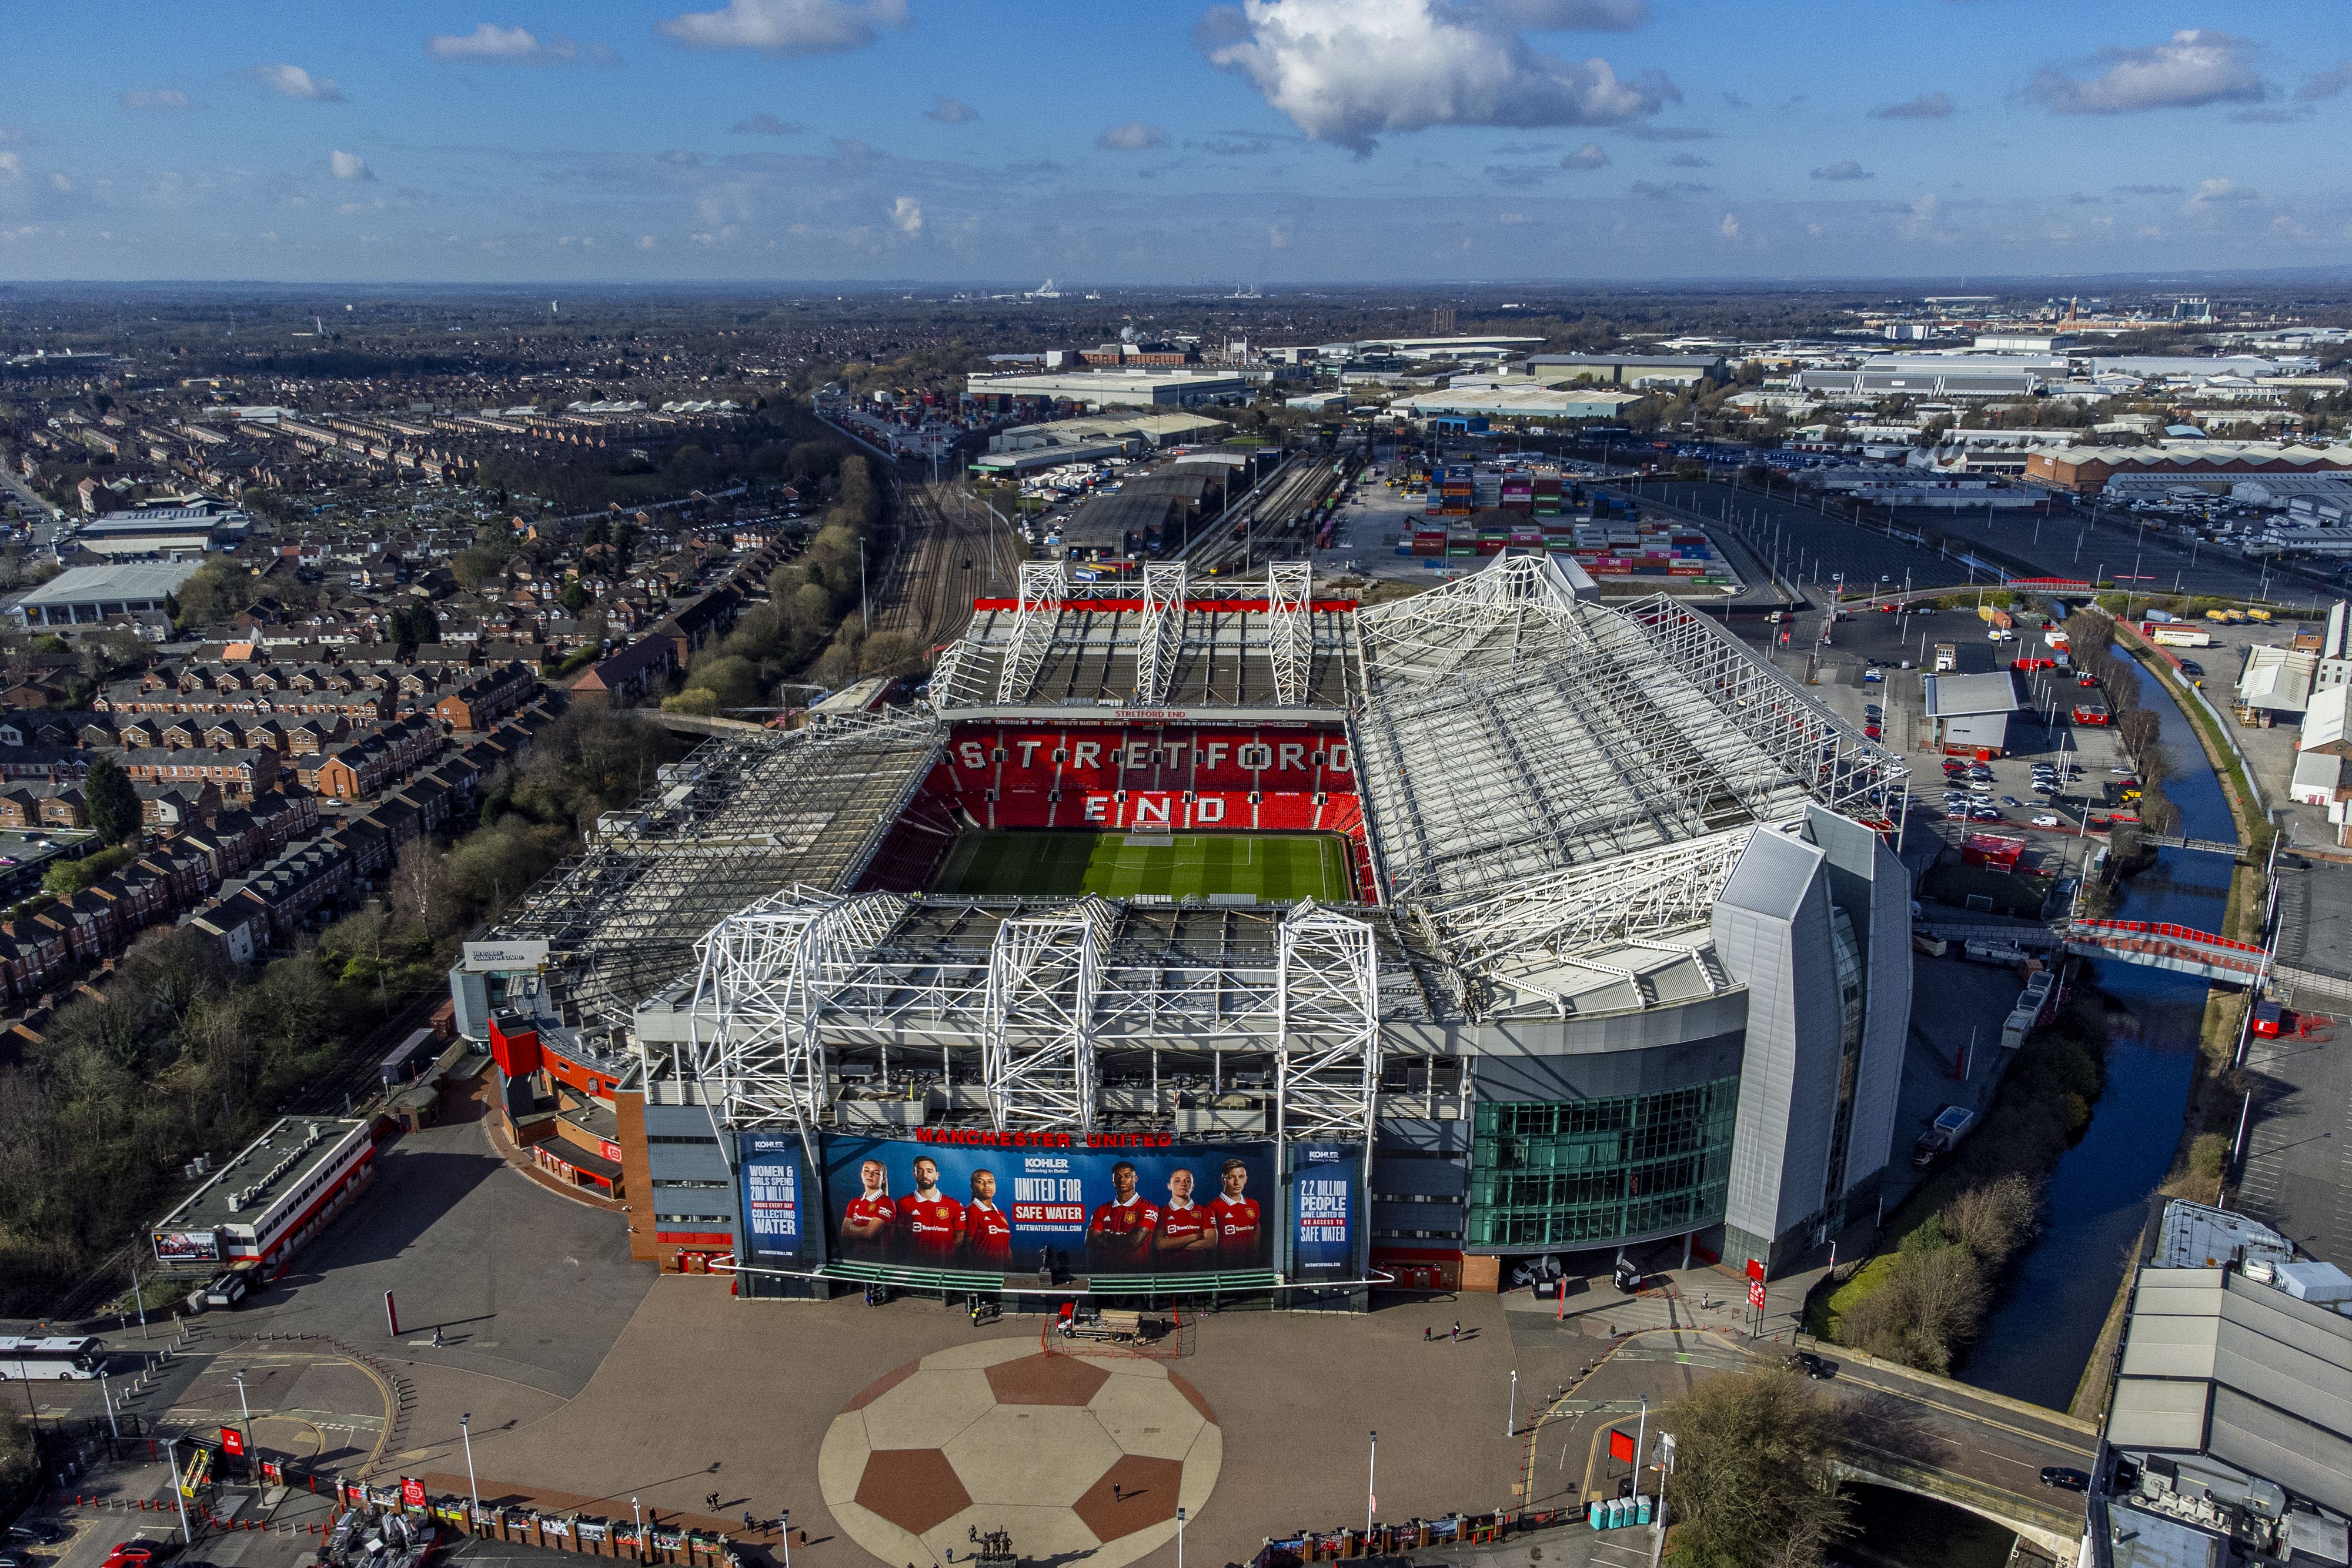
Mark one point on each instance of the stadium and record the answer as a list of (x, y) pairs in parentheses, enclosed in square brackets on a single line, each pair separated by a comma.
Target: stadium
[(1488, 924)]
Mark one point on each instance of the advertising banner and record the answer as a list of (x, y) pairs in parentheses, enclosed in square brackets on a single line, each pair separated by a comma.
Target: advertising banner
[(772, 1194), (1326, 1182), (999, 1202), (187, 1247)]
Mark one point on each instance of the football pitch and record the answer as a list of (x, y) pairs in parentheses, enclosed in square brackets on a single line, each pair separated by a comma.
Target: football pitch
[(1271, 868)]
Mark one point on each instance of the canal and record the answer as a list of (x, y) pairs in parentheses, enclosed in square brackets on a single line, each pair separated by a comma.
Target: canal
[(2038, 1338)]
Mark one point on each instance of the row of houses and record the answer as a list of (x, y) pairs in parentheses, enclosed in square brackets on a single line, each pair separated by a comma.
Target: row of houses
[(249, 876)]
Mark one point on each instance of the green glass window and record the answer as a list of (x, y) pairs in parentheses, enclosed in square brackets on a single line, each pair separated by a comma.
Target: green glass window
[(1583, 1173)]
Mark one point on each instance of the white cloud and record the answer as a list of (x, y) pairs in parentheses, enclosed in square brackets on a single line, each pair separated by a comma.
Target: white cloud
[(154, 98), (1592, 155), (1927, 106), (1729, 227), (293, 81), (1133, 137), (2196, 66), (11, 165), (907, 216), (1510, 218), (787, 26), (765, 124), (1349, 70), (349, 166), (2219, 193), (951, 112), (644, 242), (2286, 227), (1843, 169), (61, 183), (1925, 221), (491, 44)]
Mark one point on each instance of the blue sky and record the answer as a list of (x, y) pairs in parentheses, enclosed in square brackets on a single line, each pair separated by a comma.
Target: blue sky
[(1127, 142)]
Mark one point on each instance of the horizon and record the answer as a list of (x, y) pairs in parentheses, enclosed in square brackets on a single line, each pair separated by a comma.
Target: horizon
[(1285, 144)]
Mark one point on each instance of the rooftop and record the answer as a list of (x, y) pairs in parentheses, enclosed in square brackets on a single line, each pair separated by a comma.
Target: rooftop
[(2217, 1365), (139, 579), (1961, 696), (273, 1164)]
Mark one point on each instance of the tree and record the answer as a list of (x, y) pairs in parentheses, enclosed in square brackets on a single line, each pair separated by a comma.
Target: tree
[(422, 897), (113, 803), (1751, 1487)]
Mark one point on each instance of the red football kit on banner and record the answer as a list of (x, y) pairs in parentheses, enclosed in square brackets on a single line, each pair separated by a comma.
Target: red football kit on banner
[(987, 1234), (1120, 1233), (860, 1211), (928, 1227), (1179, 1229), (1236, 1222)]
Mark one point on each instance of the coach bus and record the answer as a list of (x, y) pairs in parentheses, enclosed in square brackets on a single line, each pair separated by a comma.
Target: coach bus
[(33, 1360)]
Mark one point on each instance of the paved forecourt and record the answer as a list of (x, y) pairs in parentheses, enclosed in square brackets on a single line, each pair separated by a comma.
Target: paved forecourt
[(1271, 867)]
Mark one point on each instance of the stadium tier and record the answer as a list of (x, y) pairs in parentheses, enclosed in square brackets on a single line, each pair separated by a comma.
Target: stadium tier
[(1498, 922)]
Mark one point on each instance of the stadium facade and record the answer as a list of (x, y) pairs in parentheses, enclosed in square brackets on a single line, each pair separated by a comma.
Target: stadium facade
[(1626, 962)]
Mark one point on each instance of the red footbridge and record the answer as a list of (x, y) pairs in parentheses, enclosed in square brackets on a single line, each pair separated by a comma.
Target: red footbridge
[(2182, 949)]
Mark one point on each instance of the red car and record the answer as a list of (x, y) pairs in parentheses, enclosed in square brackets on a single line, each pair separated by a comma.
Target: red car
[(2085, 680), (132, 1555), (1870, 732)]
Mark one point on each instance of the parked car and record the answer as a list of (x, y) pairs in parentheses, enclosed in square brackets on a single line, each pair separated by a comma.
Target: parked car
[(2047, 819), (1812, 1365)]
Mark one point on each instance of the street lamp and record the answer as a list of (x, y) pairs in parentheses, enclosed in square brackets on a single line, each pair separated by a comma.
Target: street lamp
[(245, 1409), (465, 1431), (1180, 1535), (1372, 1476), (1511, 1422)]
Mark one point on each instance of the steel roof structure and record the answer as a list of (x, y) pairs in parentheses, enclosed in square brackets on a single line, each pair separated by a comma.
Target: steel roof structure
[(1556, 794)]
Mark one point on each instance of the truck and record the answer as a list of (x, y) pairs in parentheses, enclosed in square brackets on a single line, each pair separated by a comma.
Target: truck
[(1107, 1324), (2226, 617), (1952, 1123), (2179, 636), (1947, 657), (1992, 615)]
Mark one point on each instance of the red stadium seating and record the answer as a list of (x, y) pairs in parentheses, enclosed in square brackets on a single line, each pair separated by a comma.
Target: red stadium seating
[(1182, 778)]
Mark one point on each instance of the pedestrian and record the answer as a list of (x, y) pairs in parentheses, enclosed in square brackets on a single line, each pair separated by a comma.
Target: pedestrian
[(1427, 1334), (711, 1502), (1457, 1334), (1116, 1493), (747, 1520), (437, 1336)]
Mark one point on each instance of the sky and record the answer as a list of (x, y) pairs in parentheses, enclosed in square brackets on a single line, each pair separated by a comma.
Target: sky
[(1131, 143)]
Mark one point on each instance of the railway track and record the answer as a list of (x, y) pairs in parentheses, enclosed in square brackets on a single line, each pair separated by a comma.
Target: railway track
[(1276, 530), (951, 551)]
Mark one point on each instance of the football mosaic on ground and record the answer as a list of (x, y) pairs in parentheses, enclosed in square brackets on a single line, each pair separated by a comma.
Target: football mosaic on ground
[(1077, 1457), (1273, 868)]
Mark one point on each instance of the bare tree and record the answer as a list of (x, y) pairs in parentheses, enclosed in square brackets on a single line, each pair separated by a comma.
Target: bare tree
[(422, 898)]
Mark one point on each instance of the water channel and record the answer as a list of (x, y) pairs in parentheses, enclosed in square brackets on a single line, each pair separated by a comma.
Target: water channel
[(2038, 1338)]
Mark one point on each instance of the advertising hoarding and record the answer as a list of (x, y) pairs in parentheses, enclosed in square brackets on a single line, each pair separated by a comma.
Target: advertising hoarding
[(1326, 1194), (773, 1186), (1000, 1202), (187, 1247)]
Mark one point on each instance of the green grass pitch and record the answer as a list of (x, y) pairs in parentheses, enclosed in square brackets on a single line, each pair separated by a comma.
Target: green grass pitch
[(1275, 867)]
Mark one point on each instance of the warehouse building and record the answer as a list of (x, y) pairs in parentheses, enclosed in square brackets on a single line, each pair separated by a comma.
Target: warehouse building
[(2216, 465), (1107, 388), (92, 595), (1631, 369)]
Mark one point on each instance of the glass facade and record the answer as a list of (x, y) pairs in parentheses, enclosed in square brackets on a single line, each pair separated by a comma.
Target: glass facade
[(1584, 1173)]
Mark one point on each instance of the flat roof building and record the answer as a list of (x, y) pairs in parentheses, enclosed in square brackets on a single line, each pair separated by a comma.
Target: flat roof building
[(1631, 370), (1112, 388), (87, 595), (1970, 713), (276, 1193), (1528, 401), (2232, 1415)]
